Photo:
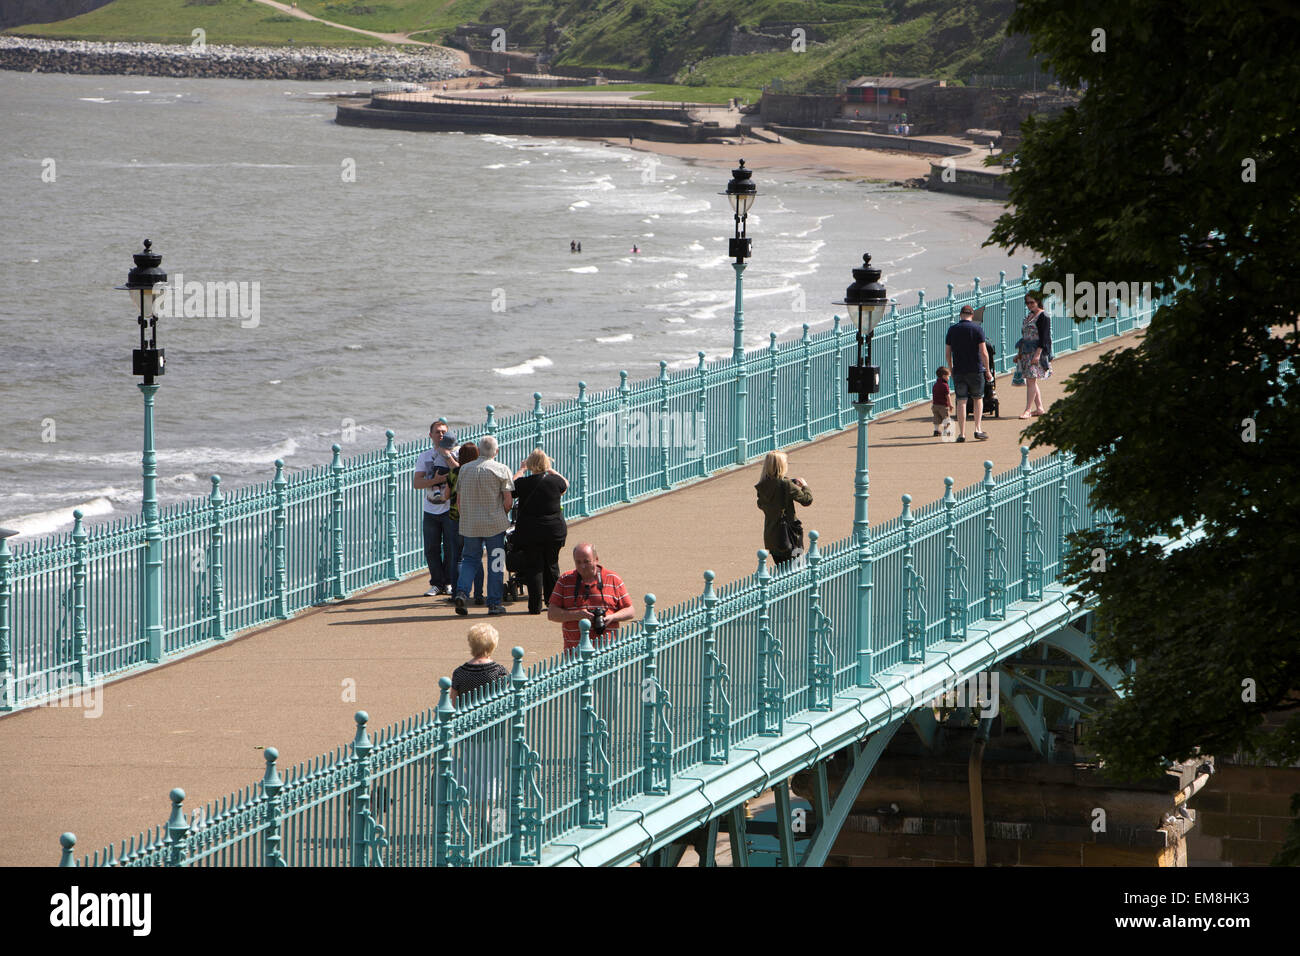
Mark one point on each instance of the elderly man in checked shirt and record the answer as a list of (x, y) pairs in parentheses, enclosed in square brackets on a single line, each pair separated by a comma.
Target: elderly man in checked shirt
[(484, 492)]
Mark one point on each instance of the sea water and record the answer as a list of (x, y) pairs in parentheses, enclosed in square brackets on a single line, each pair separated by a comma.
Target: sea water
[(401, 276)]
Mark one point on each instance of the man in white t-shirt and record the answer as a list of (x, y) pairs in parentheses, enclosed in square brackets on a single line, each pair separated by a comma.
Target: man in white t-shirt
[(441, 551)]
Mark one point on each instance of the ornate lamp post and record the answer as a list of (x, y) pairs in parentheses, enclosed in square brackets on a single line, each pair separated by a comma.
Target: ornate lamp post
[(740, 192), (866, 301), (149, 362)]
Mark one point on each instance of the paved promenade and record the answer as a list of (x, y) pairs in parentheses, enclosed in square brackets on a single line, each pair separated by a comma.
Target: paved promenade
[(201, 723)]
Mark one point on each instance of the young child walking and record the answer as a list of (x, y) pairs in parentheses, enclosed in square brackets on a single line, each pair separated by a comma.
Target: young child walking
[(941, 398)]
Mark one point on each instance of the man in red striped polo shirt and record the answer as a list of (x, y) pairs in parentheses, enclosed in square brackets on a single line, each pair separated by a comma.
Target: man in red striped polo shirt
[(586, 587)]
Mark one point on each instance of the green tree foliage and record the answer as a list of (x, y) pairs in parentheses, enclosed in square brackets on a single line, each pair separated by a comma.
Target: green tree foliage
[(1178, 167)]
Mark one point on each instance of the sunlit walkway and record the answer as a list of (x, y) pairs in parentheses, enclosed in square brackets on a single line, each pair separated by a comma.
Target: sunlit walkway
[(201, 723)]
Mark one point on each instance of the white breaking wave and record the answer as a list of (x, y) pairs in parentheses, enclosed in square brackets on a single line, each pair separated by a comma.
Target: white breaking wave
[(526, 368), (625, 337), (585, 270), (193, 457), (47, 522)]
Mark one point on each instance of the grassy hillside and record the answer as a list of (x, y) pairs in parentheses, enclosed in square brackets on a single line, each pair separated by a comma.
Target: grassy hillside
[(947, 38), (684, 39), (235, 22)]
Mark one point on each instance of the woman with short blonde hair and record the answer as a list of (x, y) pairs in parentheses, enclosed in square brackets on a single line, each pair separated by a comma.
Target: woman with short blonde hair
[(539, 463), (479, 670), (540, 529)]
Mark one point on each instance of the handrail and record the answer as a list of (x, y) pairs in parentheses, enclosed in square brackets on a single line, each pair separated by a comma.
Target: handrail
[(552, 751), (353, 524)]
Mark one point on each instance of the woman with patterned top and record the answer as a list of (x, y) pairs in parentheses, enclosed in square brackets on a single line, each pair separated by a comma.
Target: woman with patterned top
[(480, 670), (1034, 353)]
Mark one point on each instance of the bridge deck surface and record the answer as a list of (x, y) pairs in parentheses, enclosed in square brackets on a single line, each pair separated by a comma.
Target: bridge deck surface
[(201, 723)]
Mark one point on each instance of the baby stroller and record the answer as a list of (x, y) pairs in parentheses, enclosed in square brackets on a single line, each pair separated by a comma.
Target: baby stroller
[(515, 587), (991, 405)]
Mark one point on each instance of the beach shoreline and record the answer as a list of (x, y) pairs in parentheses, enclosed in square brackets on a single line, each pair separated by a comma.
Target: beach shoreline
[(801, 159)]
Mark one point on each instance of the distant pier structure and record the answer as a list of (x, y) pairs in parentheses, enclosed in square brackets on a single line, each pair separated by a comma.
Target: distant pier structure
[(506, 113)]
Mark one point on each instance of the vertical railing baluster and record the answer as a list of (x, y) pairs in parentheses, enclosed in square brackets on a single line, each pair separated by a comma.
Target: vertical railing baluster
[(79, 629), (806, 343), (367, 834), (925, 346), (539, 422), (339, 592), (913, 592), (702, 419), (715, 708), (583, 438), (656, 735), (490, 424), (593, 744), (390, 503), (6, 659), (740, 406), (1032, 563), (821, 655), (525, 817), (839, 375), (67, 841), (771, 681), (272, 855), (995, 572), (178, 829), (1001, 359), (278, 526), (624, 460), (954, 587), (892, 319), (663, 426), (772, 377), (217, 562)]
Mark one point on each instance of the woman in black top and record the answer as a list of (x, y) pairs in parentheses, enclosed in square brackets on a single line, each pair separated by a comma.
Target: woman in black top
[(539, 526)]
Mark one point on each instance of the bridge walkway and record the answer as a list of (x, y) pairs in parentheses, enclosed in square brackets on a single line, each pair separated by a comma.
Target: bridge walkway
[(201, 723)]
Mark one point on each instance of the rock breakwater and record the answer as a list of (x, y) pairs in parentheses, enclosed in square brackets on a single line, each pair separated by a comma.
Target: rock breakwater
[(232, 62)]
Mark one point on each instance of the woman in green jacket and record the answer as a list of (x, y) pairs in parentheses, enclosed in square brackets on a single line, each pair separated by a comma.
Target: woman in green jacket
[(776, 497)]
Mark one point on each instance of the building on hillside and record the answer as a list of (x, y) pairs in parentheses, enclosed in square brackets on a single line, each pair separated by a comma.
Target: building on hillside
[(881, 98)]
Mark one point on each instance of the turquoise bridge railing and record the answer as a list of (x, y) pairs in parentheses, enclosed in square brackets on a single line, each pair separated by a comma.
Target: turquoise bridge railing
[(70, 605), (521, 767)]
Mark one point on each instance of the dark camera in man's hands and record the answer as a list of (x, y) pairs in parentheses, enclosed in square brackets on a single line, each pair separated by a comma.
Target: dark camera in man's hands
[(597, 621)]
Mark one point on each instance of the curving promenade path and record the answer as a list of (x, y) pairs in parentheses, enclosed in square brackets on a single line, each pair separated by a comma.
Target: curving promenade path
[(201, 723)]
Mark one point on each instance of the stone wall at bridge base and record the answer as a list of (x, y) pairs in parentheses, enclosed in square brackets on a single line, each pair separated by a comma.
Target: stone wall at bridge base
[(1243, 814), (915, 809)]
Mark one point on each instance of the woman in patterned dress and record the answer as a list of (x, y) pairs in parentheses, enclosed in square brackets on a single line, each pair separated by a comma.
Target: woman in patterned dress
[(1034, 354)]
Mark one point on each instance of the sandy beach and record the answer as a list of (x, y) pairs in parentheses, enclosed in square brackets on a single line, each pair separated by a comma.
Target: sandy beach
[(804, 159)]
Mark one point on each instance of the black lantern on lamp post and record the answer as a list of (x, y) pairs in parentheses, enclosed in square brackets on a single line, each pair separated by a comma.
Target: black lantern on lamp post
[(741, 193), (866, 301), (148, 360)]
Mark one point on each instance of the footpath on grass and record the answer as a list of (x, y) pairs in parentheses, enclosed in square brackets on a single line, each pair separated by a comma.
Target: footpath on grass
[(202, 723)]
